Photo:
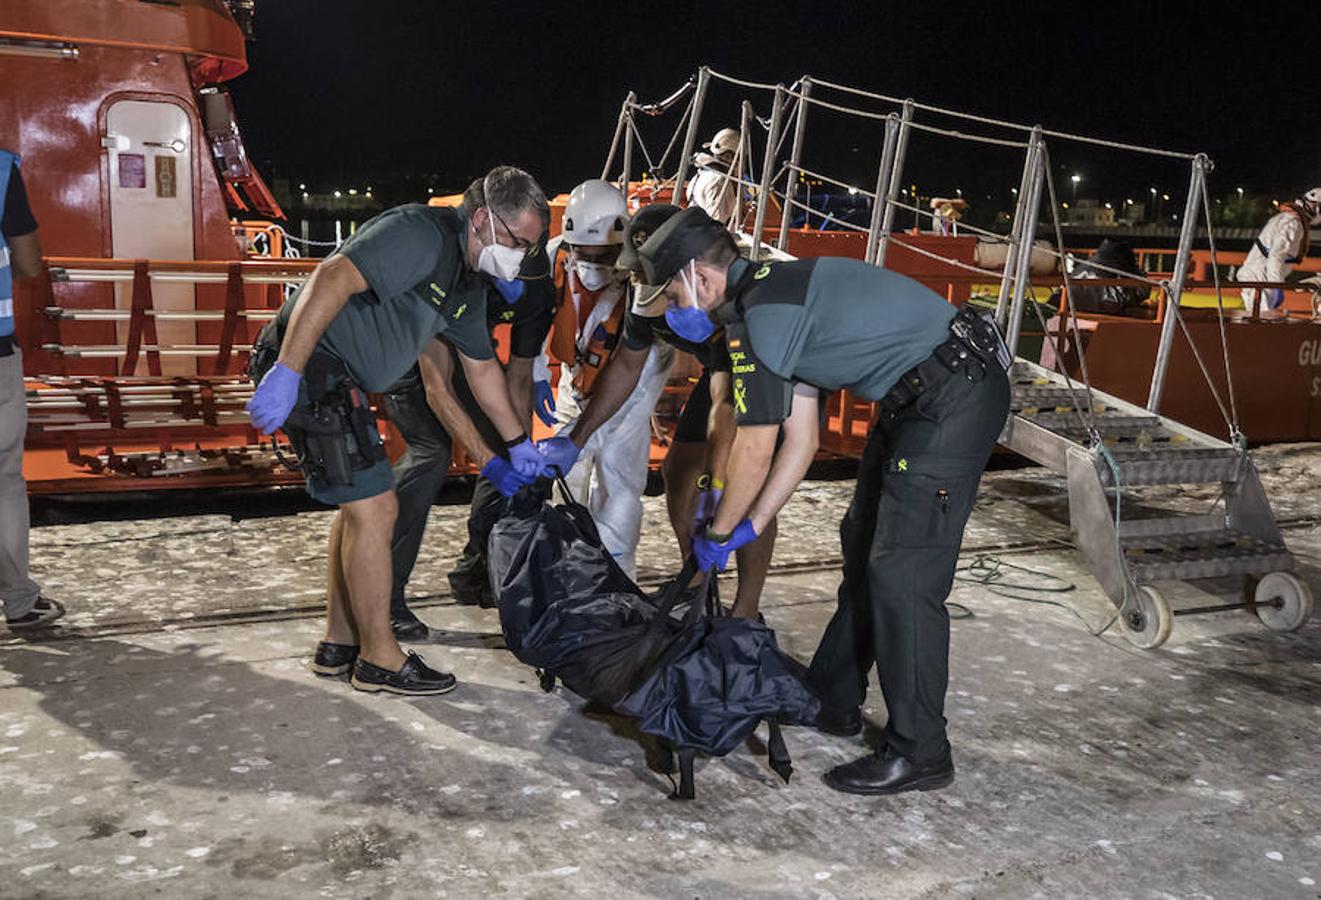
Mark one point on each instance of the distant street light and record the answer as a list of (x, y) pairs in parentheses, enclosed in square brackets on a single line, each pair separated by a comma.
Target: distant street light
[(1075, 178), (1240, 194)]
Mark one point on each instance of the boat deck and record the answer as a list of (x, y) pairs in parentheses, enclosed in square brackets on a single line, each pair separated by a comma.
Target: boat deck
[(169, 740)]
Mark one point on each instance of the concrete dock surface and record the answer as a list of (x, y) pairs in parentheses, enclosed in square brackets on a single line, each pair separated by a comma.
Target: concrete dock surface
[(168, 740)]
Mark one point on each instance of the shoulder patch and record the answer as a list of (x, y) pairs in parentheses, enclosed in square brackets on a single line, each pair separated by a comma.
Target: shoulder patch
[(463, 307)]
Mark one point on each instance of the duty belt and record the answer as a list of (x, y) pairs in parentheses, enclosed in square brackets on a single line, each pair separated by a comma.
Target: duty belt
[(969, 351)]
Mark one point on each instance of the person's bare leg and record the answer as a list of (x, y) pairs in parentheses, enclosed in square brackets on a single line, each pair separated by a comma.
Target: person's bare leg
[(754, 561), (681, 468), (340, 625), (365, 551)]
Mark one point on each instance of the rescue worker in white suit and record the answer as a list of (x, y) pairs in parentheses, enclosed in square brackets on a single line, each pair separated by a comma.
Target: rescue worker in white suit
[(610, 475), (1281, 245), (713, 188)]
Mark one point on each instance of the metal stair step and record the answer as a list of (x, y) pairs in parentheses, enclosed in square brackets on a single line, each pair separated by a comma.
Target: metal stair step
[(1181, 464), (1201, 553)]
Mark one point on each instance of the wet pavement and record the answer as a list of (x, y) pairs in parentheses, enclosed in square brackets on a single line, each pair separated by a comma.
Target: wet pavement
[(168, 740)]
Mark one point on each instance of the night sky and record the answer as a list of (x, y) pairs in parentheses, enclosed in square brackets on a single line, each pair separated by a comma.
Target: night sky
[(341, 90)]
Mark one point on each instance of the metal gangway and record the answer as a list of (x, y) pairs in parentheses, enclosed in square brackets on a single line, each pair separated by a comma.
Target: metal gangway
[(1102, 444)]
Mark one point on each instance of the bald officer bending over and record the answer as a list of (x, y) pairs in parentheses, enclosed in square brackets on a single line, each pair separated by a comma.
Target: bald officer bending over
[(367, 314), (793, 328)]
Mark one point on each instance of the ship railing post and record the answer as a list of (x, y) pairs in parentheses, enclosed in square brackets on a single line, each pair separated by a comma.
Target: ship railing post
[(744, 171), (1023, 261), (1187, 231), (628, 144), (795, 159), (690, 139), (881, 198), (620, 125), (1017, 241), (778, 103), (896, 179)]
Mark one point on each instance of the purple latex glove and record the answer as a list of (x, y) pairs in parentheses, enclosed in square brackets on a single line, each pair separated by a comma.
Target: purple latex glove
[(544, 404), (707, 501), (714, 555), (560, 453), (526, 461), (1272, 298), (506, 479), (274, 398)]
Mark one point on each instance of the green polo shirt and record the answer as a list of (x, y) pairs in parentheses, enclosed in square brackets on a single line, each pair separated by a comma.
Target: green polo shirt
[(829, 322), (419, 288)]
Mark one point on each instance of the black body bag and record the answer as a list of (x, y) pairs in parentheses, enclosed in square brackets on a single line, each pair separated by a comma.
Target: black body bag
[(698, 681)]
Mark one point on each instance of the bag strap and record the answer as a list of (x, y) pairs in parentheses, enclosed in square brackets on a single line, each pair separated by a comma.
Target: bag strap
[(777, 754)]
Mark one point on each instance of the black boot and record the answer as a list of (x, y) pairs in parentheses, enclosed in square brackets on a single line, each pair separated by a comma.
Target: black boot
[(407, 626), (891, 773), (839, 722)]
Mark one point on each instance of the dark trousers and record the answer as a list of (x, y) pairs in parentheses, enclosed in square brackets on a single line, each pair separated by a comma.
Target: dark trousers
[(900, 538), (420, 472)]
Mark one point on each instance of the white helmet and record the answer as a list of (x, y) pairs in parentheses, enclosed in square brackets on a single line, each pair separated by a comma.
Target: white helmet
[(726, 141), (1311, 202), (595, 215)]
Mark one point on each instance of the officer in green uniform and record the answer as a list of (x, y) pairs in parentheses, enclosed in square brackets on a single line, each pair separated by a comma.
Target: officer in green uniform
[(793, 328), (379, 304), (430, 418)]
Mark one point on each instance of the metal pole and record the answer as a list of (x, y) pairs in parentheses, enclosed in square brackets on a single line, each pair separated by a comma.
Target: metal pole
[(896, 178), (1016, 240), (879, 201), (1023, 261), (614, 142), (778, 103), (1188, 230), (690, 139), (795, 158), (744, 151), (628, 145)]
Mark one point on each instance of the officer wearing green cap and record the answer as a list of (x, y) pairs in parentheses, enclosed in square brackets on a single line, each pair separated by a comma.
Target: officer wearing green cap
[(695, 464), (793, 328)]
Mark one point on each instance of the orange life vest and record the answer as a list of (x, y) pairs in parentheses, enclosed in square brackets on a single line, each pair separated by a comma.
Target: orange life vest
[(573, 307)]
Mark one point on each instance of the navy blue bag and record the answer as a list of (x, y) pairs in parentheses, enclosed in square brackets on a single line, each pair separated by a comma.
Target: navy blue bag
[(699, 682)]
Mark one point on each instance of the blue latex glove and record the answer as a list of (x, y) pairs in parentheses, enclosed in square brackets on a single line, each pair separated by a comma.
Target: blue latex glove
[(526, 461), (707, 501), (713, 555), (274, 398), (544, 404), (511, 290), (502, 474), (1273, 298), (560, 453)]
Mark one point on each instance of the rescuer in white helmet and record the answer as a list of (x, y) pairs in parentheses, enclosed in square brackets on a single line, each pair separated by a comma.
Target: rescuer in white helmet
[(712, 188), (610, 474), (1281, 245)]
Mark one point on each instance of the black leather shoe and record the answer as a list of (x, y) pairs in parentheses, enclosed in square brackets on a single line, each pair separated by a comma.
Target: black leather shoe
[(891, 773), (334, 659), (414, 678), (43, 613), (408, 627), (839, 722), (471, 592)]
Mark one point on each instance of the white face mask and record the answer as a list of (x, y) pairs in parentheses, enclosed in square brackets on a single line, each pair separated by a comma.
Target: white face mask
[(593, 276), (496, 259)]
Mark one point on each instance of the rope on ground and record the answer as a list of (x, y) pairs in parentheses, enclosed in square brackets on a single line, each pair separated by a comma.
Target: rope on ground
[(1015, 582)]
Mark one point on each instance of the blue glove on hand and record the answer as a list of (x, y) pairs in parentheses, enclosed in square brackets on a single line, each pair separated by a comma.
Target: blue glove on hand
[(560, 453), (511, 290), (713, 555), (544, 404), (274, 398), (1272, 298), (526, 461), (707, 501), (500, 473)]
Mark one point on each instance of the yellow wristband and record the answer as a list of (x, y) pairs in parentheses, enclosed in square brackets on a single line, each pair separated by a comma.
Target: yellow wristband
[(717, 483)]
